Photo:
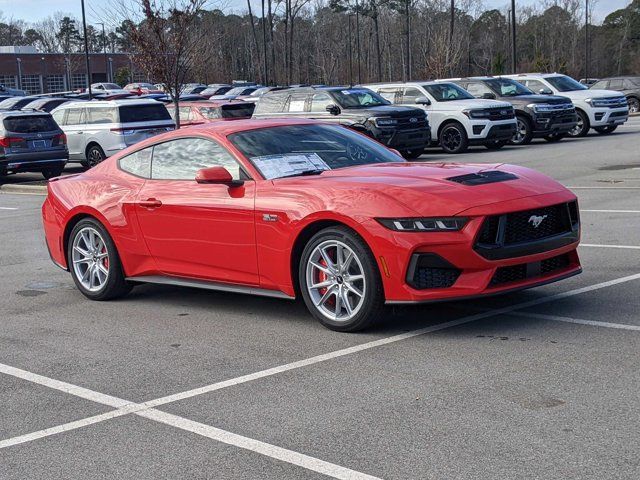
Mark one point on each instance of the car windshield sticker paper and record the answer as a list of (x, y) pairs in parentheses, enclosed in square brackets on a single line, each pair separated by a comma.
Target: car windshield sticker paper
[(354, 92), (274, 166)]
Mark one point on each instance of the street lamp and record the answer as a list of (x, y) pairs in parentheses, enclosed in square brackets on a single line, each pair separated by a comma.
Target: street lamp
[(110, 69), (44, 75), (86, 47), (19, 62), (104, 49)]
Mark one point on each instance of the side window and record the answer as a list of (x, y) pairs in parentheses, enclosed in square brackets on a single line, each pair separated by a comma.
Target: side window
[(101, 115), (536, 85), (58, 116), (297, 103), (389, 94), (75, 116), (410, 95), (182, 158), (600, 84), (138, 163), (477, 89), (617, 84), (185, 114), (319, 102)]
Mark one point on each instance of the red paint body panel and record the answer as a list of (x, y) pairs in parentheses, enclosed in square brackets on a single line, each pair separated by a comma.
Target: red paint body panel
[(219, 233)]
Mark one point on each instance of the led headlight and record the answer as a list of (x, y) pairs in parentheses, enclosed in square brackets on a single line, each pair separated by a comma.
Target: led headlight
[(385, 122), (476, 113), (541, 107), (451, 224)]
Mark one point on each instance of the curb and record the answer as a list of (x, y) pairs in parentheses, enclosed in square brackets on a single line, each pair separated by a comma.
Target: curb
[(24, 189)]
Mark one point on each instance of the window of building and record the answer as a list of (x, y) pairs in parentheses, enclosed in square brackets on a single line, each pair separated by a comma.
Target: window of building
[(31, 83), (8, 81), (78, 81), (55, 83)]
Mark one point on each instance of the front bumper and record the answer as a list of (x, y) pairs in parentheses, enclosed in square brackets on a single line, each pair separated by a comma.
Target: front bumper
[(603, 117), (553, 124), (502, 131), (461, 271), (414, 139)]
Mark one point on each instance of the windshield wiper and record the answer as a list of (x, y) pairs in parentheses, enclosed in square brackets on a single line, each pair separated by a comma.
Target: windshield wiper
[(304, 173)]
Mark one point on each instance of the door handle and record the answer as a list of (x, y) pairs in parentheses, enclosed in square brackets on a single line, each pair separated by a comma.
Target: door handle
[(150, 203)]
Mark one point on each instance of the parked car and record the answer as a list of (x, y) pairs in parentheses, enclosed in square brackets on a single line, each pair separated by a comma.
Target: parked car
[(295, 208), (45, 104), (197, 113), (404, 128), (98, 129), (588, 81), (142, 88), (547, 116), (108, 89), (215, 89), (192, 88), (602, 110), (256, 94), (630, 86), (31, 142), (16, 103), (456, 117), (4, 90), (242, 91)]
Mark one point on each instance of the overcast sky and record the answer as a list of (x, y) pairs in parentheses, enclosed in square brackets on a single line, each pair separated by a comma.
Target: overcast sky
[(33, 10)]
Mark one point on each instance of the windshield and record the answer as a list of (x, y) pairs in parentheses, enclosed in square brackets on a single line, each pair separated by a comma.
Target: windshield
[(445, 92), (111, 86), (563, 83), (357, 98), (507, 87), (294, 150)]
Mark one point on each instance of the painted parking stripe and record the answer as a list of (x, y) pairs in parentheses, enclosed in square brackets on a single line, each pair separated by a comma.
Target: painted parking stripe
[(603, 188), (8, 208), (144, 409), (610, 211), (595, 245), (594, 323)]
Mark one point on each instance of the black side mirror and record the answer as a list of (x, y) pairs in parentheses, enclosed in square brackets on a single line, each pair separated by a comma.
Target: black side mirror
[(489, 96), (333, 109), (423, 101)]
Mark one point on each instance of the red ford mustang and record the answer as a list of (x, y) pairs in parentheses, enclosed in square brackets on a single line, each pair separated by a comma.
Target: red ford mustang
[(290, 208)]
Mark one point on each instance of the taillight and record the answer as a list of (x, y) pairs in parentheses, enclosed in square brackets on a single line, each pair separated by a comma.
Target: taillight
[(7, 141), (60, 139)]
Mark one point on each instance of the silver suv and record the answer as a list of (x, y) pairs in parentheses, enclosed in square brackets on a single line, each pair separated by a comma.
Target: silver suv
[(98, 129)]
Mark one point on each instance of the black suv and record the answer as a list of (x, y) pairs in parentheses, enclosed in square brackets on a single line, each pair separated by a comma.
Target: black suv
[(547, 116), (31, 142), (404, 128), (630, 86)]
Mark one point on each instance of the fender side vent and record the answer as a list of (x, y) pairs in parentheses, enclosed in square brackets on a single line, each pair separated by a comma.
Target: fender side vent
[(482, 178)]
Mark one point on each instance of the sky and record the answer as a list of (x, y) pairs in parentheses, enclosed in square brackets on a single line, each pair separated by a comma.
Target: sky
[(34, 10)]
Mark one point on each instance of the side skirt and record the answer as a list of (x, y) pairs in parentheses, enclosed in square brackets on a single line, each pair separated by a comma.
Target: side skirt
[(223, 287)]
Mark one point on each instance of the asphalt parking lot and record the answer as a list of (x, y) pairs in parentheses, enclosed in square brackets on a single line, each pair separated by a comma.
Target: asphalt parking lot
[(180, 383)]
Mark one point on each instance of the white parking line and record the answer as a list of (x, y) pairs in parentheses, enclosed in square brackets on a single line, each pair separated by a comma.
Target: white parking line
[(557, 318), (144, 409), (595, 245), (603, 188), (610, 211), (8, 208)]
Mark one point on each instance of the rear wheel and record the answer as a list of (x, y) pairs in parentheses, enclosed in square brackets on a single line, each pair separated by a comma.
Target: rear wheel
[(582, 127), (605, 130), (94, 262), (54, 172), (339, 280), (524, 132), (95, 155), (496, 144), (554, 137), (412, 154), (634, 105), (453, 138)]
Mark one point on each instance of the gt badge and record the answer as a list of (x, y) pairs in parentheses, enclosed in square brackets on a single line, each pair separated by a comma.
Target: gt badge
[(536, 220)]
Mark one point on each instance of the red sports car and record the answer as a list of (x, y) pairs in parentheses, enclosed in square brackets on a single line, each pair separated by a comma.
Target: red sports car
[(292, 208)]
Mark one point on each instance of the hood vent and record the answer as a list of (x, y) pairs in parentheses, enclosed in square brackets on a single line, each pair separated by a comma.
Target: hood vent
[(482, 178)]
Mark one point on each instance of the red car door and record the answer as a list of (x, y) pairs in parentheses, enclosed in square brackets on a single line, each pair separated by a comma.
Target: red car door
[(203, 231)]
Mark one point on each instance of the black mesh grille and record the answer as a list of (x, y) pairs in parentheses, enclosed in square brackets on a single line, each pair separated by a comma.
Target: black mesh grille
[(514, 273), (501, 113), (405, 123), (555, 263), (489, 232), (428, 277), (523, 271)]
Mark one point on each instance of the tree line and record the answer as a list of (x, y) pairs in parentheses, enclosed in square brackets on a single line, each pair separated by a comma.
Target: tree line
[(346, 41)]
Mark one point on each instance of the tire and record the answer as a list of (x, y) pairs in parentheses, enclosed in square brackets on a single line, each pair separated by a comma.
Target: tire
[(55, 172), (95, 155), (582, 127), (634, 104), (554, 137), (496, 144), (319, 264), (111, 284), (605, 130), (412, 154), (524, 131), (453, 138)]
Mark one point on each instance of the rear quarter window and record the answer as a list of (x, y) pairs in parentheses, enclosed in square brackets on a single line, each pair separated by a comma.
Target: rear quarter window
[(143, 113), (271, 103), (138, 163), (30, 124)]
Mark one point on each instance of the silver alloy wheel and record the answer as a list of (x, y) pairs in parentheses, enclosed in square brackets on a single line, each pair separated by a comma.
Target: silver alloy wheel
[(578, 128), (335, 281), (521, 131), (634, 105), (95, 157), (90, 259)]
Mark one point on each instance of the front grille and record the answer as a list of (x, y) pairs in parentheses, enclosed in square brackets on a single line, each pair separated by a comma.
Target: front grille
[(610, 102), (405, 123), (427, 277), (527, 271), (529, 231), (500, 113), (618, 114)]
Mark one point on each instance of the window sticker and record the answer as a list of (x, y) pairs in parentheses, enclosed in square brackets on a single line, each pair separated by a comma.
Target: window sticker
[(355, 92), (275, 166)]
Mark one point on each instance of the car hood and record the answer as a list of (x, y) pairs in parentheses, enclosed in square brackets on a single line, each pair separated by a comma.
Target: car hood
[(584, 94), (471, 103), (422, 189)]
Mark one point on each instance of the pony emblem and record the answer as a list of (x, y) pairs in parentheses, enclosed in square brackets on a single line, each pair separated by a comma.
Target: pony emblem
[(536, 220)]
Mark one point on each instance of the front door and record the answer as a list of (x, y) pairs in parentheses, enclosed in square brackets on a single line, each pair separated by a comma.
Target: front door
[(194, 230)]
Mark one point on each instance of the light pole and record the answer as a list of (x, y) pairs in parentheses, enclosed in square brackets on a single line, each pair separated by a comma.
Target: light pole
[(111, 69), (586, 40), (44, 75), (513, 37), (104, 51), (350, 54), (358, 38), (19, 62), (86, 48)]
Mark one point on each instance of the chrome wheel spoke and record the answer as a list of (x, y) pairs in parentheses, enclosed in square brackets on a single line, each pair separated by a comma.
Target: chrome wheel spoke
[(322, 268), (326, 296), (345, 302), (325, 284), (353, 289)]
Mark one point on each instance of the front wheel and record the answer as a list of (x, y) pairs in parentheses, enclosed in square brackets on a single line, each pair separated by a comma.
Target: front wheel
[(95, 155), (582, 126), (605, 130), (412, 154), (94, 262), (554, 137), (634, 105), (340, 281), (453, 138), (496, 144), (524, 132)]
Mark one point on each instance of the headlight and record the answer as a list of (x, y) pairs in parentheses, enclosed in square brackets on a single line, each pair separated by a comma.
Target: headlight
[(385, 122), (476, 113), (540, 107), (451, 224)]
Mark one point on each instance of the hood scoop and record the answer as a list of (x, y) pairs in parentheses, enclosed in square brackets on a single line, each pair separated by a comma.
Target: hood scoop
[(482, 178)]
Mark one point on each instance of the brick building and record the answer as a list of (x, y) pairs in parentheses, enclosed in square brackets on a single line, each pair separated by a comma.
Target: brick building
[(26, 69)]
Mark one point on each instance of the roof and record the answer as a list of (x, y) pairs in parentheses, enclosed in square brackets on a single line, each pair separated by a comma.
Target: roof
[(113, 103), (21, 113), (240, 125), (214, 102), (539, 75)]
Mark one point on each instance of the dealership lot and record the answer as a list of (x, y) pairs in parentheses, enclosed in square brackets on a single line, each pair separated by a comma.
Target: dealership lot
[(180, 383)]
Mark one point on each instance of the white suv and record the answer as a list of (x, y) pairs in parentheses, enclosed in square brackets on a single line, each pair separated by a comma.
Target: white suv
[(602, 110), (456, 117)]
